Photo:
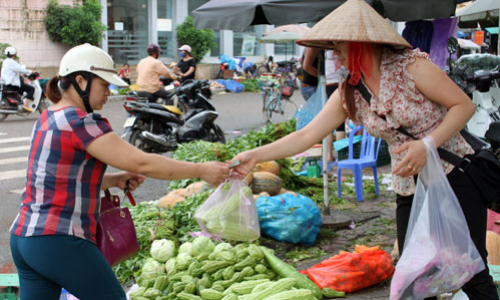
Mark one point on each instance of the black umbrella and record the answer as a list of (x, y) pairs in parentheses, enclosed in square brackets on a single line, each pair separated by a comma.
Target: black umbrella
[(237, 15)]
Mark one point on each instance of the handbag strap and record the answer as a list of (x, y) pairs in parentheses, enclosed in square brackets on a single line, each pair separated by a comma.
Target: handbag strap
[(457, 161)]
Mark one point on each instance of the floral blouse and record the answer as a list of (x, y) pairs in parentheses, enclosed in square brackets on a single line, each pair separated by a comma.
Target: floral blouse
[(404, 105)]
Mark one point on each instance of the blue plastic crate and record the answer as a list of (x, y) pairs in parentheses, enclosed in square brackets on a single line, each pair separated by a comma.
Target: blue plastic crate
[(234, 86), (222, 81)]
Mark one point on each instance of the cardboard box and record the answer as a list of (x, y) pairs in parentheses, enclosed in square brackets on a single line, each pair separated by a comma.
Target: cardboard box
[(227, 74)]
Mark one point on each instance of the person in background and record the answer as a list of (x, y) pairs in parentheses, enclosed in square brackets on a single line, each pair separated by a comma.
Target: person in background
[(125, 73), (310, 79), (149, 71), (409, 91), (11, 77), (250, 69), (186, 67), (53, 238)]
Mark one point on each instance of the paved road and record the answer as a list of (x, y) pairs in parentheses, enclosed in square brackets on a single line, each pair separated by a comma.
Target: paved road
[(238, 114)]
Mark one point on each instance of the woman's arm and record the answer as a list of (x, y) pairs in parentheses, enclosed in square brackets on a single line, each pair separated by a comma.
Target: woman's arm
[(120, 179), (189, 72), (438, 87), (112, 150), (330, 117)]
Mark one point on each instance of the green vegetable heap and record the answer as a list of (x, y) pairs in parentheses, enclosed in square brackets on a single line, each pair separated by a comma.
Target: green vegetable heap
[(204, 271)]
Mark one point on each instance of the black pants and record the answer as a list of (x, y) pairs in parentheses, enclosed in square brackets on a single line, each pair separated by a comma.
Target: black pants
[(161, 93), (481, 286), (330, 88), (24, 88)]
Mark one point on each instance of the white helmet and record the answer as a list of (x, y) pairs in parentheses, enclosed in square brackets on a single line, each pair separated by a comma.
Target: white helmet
[(10, 51), (90, 59)]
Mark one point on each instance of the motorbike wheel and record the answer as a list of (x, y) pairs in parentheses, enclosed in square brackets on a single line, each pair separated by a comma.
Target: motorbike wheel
[(42, 106), (262, 69), (3, 116), (136, 141), (216, 134)]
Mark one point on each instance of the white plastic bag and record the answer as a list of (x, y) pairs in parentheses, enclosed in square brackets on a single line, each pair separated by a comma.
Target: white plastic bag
[(439, 255), (230, 213)]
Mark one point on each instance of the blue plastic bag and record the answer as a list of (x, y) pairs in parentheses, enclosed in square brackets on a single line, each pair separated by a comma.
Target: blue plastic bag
[(309, 110), (288, 218), (226, 59)]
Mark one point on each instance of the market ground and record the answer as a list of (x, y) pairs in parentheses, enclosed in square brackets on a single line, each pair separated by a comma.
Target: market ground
[(239, 113)]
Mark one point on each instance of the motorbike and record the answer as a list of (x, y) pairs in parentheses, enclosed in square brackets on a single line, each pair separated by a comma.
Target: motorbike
[(186, 96), (478, 86), (11, 102), (487, 108), (158, 128)]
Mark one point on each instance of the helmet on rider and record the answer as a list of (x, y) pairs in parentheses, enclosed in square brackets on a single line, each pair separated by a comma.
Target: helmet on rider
[(153, 48), (94, 62), (10, 51)]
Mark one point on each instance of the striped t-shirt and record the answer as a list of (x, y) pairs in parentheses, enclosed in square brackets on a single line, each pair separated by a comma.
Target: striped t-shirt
[(63, 181)]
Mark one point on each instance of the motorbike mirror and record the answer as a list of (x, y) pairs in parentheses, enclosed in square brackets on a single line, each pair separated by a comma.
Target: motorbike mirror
[(452, 45)]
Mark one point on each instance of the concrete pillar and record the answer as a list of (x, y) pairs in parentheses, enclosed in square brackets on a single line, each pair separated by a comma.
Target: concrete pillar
[(268, 48), (226, 37), (104, 20), (153, 21), (180, 14)]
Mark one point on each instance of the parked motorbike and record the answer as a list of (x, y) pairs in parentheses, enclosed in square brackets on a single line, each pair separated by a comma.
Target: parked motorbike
[(11, 102), (478, 86), (487, 108), (161, 128), (186, 96)]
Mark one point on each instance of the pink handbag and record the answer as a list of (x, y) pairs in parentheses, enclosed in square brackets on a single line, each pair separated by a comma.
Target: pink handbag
[(116, 236)]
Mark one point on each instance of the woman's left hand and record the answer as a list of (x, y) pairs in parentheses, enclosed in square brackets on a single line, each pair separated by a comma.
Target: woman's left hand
[(135, 180), (414, 160)]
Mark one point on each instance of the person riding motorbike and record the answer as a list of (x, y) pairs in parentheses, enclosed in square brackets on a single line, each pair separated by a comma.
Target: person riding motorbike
[(11, 79), (149, 71)]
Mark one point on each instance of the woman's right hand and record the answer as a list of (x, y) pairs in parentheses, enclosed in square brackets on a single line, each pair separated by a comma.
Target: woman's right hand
[(214, 172), (247, 160)]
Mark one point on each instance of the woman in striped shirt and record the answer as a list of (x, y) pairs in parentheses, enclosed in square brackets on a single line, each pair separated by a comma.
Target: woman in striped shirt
[(53, 238)]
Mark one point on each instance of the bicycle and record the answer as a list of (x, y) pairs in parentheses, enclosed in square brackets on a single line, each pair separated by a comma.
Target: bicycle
[(288, 71), (275, 108)]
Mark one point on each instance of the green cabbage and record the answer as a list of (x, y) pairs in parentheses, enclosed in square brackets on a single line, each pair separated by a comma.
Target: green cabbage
[(202, 245), (162, 250), (185, 248), (170, 266), (151, 269), (183, 260)]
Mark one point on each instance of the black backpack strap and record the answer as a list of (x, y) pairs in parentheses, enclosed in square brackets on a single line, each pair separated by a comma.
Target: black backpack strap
[(444, 154)]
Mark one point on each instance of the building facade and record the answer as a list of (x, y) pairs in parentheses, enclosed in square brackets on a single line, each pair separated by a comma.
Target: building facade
[(132, 25)]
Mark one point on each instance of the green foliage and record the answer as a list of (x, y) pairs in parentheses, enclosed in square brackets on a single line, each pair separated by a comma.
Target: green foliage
[(74, 25), (251, 85), (123, 91), (201, 41), (201, 151)]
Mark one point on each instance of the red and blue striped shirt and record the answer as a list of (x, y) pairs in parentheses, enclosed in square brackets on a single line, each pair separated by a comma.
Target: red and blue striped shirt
[(62, 194)]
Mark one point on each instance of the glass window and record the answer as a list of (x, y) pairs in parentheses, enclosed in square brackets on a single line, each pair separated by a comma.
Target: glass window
[(165, 28), (286, 49), (127, 30), (246, 43), (194, 4)]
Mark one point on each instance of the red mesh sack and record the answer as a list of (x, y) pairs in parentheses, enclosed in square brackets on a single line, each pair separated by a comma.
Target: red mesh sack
[(349, 272)]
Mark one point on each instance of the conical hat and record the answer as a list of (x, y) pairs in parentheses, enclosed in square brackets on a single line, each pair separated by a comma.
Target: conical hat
[(355, 21)]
